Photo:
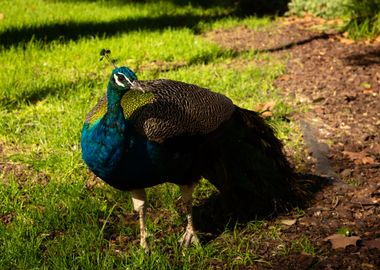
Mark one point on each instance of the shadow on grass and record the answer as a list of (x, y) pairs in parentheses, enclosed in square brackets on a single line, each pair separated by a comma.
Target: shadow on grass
[(216, 214), (34, 95), (240, 7), (243, 7), (75, 30)]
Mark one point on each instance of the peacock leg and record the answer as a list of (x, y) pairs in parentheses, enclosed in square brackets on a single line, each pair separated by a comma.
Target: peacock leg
[(190, 236), (139, 199)]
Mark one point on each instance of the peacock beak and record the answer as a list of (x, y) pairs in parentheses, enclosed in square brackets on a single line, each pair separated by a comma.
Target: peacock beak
[(137, 86)]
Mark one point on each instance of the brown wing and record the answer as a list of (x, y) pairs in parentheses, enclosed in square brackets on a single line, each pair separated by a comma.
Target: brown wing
[(179, 109)]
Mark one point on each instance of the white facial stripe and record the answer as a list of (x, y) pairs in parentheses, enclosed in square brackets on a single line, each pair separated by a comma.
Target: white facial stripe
[(125, 78), (129, 81), (117, 81)]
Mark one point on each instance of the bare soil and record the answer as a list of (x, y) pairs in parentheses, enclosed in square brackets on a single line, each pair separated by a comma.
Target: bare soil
[(339, 82)]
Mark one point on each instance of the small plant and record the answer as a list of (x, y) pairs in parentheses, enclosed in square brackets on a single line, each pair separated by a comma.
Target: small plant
[(321, 8), (300, 245), (299, 212), (303, 245), (345, 231), (353, 182), (364, 18)]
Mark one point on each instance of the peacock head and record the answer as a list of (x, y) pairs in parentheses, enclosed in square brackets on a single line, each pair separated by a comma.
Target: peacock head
[(122, 78)]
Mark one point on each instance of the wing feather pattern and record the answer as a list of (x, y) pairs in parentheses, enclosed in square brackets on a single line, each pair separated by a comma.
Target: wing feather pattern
[(179, 109)]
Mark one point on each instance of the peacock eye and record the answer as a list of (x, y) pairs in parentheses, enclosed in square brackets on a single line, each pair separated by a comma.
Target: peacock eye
[(121, 78)]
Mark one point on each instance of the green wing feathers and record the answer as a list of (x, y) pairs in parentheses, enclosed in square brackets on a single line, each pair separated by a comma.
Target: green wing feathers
[(134, 100), (131, 102)]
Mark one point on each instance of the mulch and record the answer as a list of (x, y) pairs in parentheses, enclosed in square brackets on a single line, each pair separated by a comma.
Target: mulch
[(339, 82)]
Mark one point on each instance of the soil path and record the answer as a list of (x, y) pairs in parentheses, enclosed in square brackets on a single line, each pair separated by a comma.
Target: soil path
[(339, 81)]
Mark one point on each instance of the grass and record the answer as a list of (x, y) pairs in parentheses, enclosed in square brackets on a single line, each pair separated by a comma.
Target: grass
[(361, 18), (52, 216), (321, 8), (364, 19)]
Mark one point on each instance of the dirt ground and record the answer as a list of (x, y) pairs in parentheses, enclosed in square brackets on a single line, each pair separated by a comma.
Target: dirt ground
[(339, 82)]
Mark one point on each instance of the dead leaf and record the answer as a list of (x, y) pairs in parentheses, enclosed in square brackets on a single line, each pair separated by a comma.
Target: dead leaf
[(285, 77), (346, 41), (367, 265), (335, 21), (288, 222), (341, 241), (266, 114), (359, 157), (268, 106), (368, 91), (265, 109), (366, 160)]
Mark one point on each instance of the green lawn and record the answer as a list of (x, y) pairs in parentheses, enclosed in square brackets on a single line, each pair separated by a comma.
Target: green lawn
[(52, 216)]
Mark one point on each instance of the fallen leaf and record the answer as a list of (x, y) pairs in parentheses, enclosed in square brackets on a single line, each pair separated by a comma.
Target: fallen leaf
[(341, 241), (359, 157), (285, 77), (346, 41), (288, 222), (265, 109), (366, 160), (367, 265), (335, 21), (268, 106), (368, 91), (266, 114)]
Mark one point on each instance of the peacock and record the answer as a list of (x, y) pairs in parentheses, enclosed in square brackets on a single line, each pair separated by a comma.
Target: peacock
[(144, 133)]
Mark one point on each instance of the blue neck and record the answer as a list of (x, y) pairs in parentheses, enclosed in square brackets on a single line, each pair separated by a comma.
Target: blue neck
[(104, 143), (114, 99)]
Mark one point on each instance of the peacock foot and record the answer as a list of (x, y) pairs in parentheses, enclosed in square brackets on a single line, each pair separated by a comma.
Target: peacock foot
[(145, 246), (144, 241), (189, 237)]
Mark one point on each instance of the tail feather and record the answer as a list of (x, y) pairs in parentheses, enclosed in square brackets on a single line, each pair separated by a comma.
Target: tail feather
[(250, 169)]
